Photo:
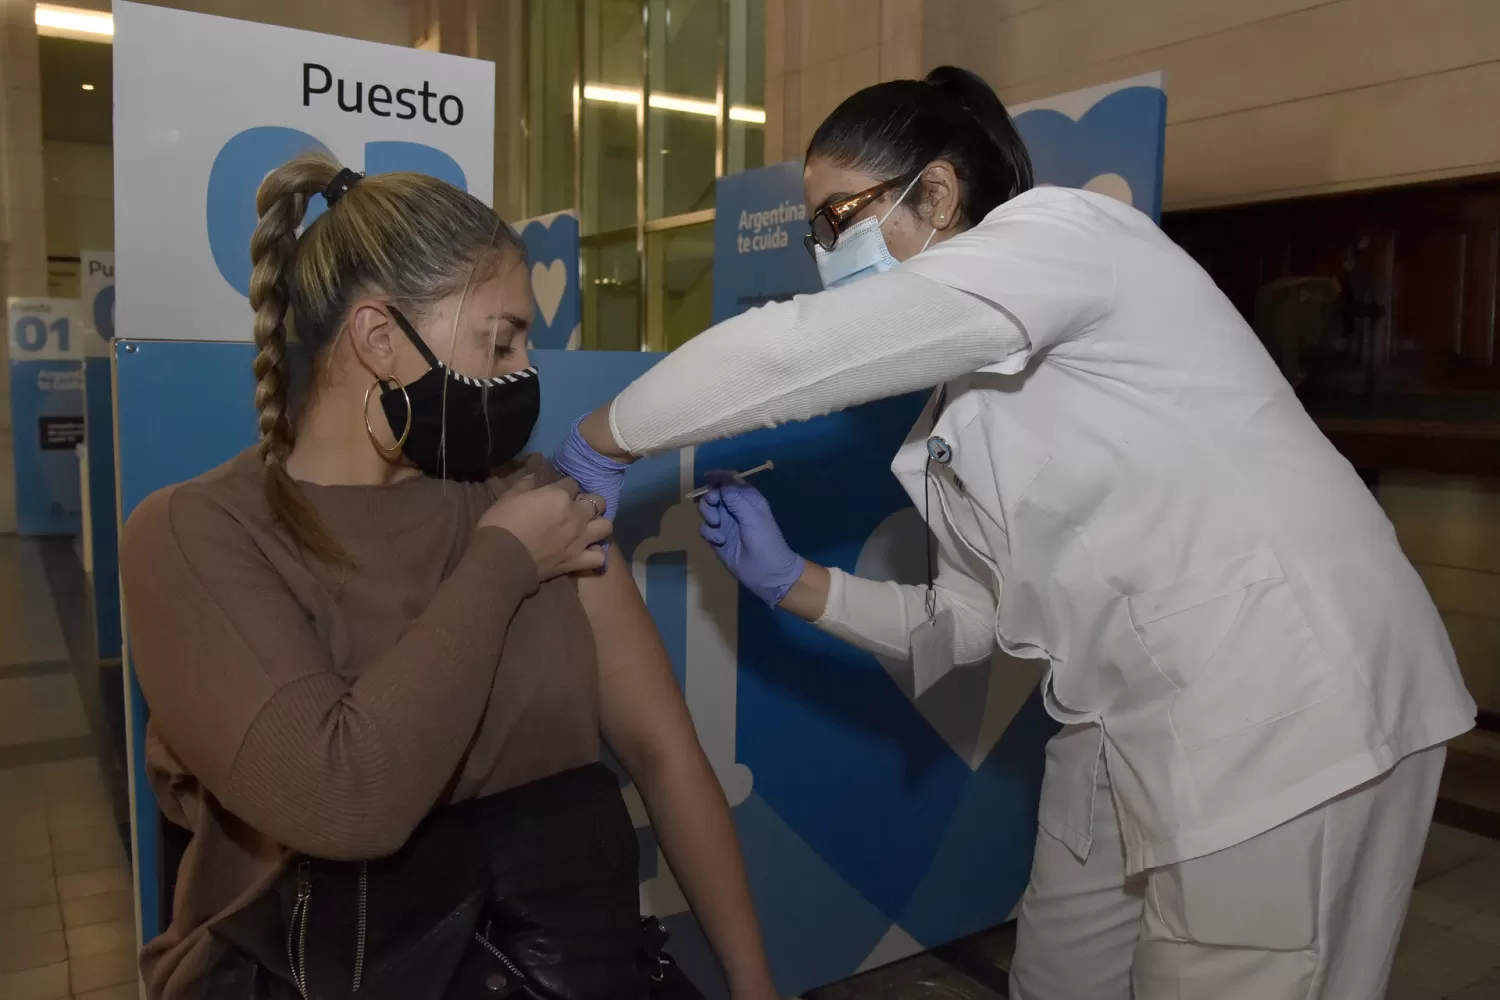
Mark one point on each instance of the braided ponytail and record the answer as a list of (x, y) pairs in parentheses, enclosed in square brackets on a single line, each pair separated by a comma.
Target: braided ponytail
[(281, 204)]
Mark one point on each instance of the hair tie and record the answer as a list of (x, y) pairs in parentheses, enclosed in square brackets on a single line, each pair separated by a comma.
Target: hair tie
[(340, 185)]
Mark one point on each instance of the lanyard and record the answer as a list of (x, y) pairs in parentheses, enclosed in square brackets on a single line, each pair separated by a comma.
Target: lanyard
[(931, 562)]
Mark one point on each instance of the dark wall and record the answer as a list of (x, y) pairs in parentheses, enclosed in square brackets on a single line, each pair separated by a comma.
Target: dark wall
[(1420, 268)]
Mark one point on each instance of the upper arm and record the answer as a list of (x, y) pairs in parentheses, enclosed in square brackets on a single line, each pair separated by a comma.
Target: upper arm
[(1048, 265), (213, 629), (893, 334), (642, 714)]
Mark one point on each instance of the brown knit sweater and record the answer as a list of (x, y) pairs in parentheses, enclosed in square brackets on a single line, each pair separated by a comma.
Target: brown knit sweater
[(294, 709)]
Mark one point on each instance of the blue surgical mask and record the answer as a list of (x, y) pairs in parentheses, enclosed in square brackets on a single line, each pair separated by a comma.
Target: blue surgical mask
[(861, 250)]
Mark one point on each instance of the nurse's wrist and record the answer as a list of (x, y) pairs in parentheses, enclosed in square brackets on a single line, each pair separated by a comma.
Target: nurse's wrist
[(597, 434), (808, 597)]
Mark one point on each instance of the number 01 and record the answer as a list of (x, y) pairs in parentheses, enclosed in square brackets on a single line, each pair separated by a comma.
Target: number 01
[(31, 333)]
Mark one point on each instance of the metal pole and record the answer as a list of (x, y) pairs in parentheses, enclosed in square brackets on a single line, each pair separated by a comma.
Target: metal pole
[(721, 123), (640, 171)]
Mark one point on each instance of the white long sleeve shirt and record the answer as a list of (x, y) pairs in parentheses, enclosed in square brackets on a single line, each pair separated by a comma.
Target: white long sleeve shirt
[(886, 336)]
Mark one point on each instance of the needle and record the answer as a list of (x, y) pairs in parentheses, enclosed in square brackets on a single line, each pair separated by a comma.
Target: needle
[(739, 477)]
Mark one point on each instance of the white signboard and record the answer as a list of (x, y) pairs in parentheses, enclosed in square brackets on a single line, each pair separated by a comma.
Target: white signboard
[(46, 329), (206, 106)]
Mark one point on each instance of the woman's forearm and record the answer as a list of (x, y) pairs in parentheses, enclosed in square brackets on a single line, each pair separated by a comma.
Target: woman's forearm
[(786, 361), (878, 616), (693, 825)]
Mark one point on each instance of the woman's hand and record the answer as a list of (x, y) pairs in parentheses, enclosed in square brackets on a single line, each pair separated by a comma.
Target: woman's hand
[(738, 523), (597, 473), (561, 527)]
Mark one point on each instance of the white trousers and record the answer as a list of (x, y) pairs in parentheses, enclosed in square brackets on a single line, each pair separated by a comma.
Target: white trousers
[(1310, 910)]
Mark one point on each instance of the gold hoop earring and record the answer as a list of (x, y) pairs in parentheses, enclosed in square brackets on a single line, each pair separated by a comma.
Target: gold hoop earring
[(396, 450)]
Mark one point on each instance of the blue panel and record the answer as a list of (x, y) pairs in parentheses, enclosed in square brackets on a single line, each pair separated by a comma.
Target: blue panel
[(46, 405), (666, 599), (161, 381), (972, 882), (158, 384), (99, 426)]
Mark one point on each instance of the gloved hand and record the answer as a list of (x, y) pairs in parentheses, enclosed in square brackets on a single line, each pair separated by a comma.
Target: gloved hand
[(594, 473), (738, 523)]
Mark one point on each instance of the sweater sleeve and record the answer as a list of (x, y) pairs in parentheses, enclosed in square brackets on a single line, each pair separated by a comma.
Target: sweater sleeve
[(891, 334), (242, 688), (878, 615)]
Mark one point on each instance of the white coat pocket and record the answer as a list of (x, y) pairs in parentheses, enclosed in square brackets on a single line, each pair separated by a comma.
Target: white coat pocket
[(1233, 641)]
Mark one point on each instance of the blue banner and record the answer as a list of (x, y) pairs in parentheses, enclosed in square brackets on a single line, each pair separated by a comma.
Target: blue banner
[(46, 405), (1110, 139), (759, 257)]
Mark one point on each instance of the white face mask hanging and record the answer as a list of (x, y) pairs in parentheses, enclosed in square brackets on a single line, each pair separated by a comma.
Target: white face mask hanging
[(861, 250)]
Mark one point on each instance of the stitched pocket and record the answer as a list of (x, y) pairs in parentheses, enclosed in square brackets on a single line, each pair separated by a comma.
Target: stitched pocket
[(1233, 640)]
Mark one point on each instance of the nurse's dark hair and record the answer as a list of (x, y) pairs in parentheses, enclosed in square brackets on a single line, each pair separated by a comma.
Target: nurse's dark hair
[(896, 128), (409, 238)]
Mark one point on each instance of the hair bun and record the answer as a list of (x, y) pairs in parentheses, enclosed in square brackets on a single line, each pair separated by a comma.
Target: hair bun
[(972, 95)]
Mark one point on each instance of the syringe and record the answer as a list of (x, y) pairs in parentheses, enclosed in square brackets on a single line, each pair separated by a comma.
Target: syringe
[(739, 477)]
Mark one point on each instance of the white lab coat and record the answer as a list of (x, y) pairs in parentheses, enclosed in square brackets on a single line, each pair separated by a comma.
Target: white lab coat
[(1208, 579)]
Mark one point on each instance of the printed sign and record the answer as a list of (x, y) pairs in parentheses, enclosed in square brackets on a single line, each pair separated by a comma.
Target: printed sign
[(206, 106), (98, 282), (552, 250), (47, 339), (759, 256), (1110, 139)]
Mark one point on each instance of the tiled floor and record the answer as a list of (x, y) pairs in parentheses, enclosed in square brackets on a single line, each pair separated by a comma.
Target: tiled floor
[(67, 917)]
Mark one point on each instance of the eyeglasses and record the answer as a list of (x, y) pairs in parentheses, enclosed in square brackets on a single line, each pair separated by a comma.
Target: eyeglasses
[(830, 219)]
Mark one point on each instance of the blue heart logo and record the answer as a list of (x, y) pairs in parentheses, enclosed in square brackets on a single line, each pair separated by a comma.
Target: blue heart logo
[(1123, 135), (552, 252)]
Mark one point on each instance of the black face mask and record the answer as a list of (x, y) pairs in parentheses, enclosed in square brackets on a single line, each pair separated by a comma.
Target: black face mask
[(488, 421)]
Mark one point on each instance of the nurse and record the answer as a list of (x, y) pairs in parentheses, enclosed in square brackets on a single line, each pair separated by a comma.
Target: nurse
[(1254, 686)]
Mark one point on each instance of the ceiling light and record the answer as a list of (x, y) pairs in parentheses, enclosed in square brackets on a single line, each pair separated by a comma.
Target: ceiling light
[(688, 105), (671, 102), (610, 95), (74, 22), (88, 86)]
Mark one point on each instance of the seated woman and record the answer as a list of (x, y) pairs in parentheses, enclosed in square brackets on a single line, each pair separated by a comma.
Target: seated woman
[(378, 673)]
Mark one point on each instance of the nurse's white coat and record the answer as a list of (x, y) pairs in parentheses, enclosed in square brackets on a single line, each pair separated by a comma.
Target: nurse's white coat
[(1210, 580)]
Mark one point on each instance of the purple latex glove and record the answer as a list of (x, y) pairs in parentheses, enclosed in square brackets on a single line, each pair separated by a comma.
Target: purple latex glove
[(738, 523), (594, 472)]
